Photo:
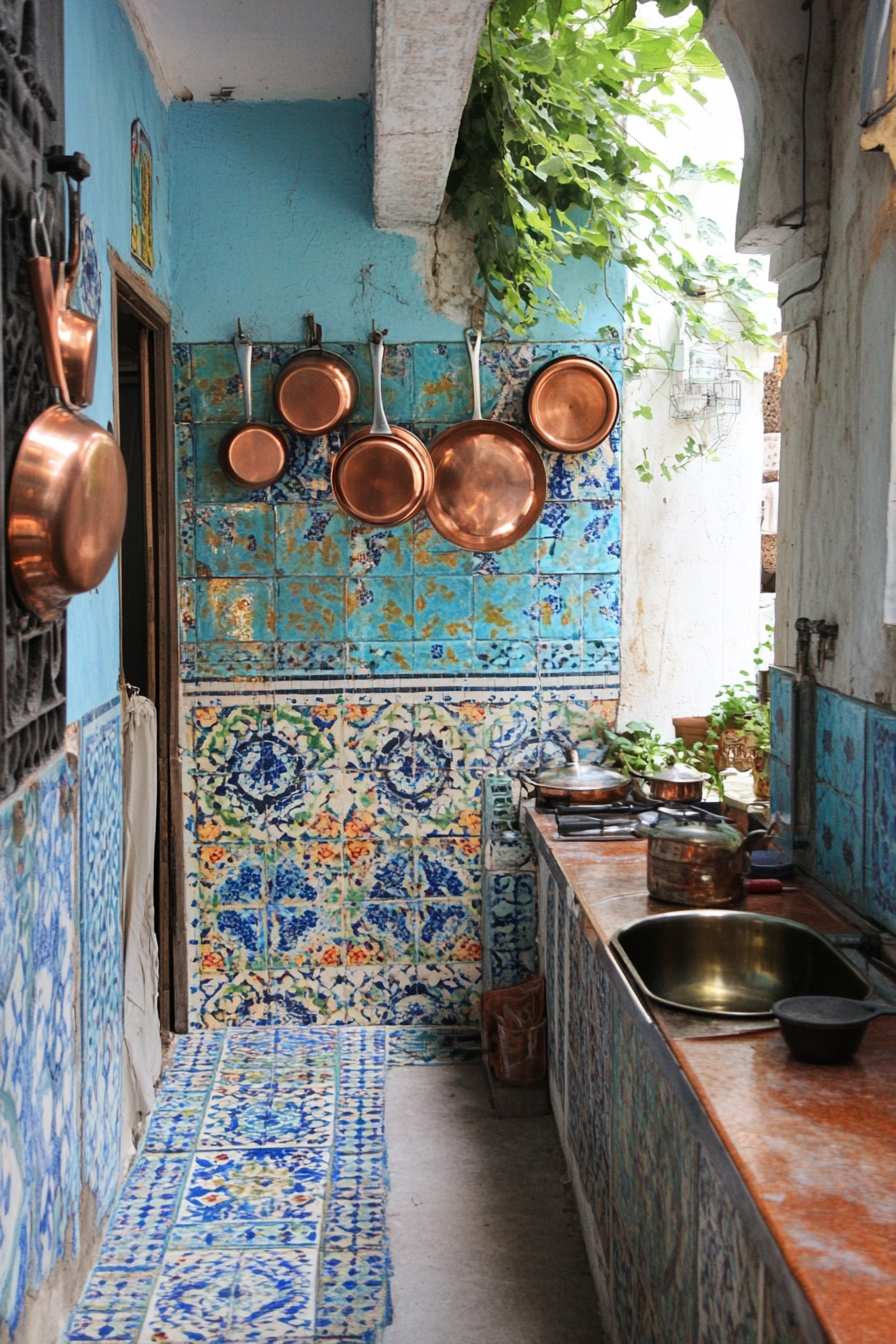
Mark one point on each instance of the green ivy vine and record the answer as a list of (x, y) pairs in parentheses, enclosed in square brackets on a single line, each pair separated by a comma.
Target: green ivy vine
[(551, 164)]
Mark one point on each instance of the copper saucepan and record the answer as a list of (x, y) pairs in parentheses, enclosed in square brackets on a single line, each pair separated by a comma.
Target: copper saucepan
[(77, 332), (68, 489), (381, 475), (316, 391), (575, 783), (254, 454), (490, 482), (572, 404)]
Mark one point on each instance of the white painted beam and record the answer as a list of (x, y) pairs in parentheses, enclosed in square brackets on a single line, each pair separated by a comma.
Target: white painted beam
[(425, 53)]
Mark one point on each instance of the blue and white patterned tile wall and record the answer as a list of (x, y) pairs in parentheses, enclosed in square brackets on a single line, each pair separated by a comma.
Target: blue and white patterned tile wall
[(347, 688), (854, 787)]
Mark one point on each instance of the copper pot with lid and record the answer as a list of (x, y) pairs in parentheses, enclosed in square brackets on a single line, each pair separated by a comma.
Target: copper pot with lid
[(696, 859), (574, 782), (678, 783), (316, 391)]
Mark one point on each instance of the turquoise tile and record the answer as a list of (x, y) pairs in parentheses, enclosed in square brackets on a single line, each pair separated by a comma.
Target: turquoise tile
[(184, 462), (582, 537), (591, 475), (559, 605), (182, 371), (443, 657), (380, 609), (216, 389), (234, 540), (443, 606), (310, 610), (780, 803), (444, 388), (505, 372), (226, 658), (600, 608), (880, 837), (519, 559), (186, 602), (234, 609), (426, 538), (379, 550), (781, 689), (600, 655), (447, 563), (505, 607), (211, 485), (312, 658), (398, 381), (517, 656), (186, 549), (312, 539), (839, 845), (308, 466), (375, 658), (556, 656), (840, 743)]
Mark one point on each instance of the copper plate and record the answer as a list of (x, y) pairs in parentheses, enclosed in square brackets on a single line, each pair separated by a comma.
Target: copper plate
[(383, 478), (572, 404), (67, 504), (316, 391), (490, 485), (253, 455)]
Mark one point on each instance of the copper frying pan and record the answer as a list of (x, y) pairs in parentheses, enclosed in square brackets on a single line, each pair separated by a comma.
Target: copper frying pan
[(254, 454), (572, 404), (382, 475), (317, 390), (68, 490), (490, 482)]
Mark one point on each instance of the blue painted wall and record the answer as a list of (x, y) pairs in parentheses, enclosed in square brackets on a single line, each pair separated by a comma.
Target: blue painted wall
[(108, 84), (272, 217)]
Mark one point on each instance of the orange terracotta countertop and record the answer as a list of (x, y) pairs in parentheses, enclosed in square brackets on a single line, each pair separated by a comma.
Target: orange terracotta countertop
[(816, 1144)]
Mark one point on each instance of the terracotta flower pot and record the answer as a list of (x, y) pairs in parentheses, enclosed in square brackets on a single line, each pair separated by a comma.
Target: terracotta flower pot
[(692, 730), (761, 761)]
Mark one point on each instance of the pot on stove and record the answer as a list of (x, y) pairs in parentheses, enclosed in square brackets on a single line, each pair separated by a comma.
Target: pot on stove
[(678, 783), (572, 783), (696, 859)]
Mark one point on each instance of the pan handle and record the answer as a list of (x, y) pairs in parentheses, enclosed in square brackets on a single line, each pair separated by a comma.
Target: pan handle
[(473, 349), (243, 347), (380, 424)]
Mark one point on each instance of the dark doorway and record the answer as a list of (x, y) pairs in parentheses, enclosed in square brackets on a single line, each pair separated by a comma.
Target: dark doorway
[(147, 570)]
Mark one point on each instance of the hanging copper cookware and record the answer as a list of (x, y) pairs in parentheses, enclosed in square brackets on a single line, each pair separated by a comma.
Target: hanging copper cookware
[(317, 390), (382, 476), (490, 482), (68, 489), (572, 404), (77, 331), (254, 454)]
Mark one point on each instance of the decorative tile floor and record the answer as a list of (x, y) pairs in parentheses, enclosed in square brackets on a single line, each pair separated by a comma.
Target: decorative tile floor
[(256, 1209)]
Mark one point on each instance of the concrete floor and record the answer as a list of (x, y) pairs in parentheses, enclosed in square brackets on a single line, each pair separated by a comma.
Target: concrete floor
[(483, 1229)]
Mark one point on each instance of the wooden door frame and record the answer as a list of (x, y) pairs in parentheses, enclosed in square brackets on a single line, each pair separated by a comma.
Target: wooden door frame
[(131, 290)]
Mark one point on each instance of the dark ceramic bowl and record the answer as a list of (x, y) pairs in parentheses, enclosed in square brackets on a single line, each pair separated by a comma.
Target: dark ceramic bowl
[(821, 1029)]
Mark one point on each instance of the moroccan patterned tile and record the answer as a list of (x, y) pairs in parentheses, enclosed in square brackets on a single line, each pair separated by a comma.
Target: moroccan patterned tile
[(379, 870), (438, 569), (304, 1231), (456, 731), (262, 1119), (880, 792), (211, 485), (505, 606), (443, 383), (840, 744), (557, 656), (510, 906), (304, 874), (259, 1184), (231, 1295), (113, 1327), (380, 609), (781, 689), (380, 931), (432, 1045), (216, 389), (378, 993), (222, 658), (521, 558), (374, 732), (579, 537), (310, 610), (235, 609), (186, 538), (233, 939), (728, 1269), (309, 808), (507, 969), (182, 372), (447, 993), (839, 844), (513, 655), (186, 602), (125, 1248), (559, 605), (356, 1224), (508, 850), (307, 475), (377, 658), (310, 728), (591, 475), (600, 608), (353, 1294), (448, 869), (311, 658), (380, 804), (312, 539), (184, 462), (601, 655), (310, 995), (116, 1289), (231, 875), (506, 369), (226, 998), (175, 1122), (568, 721), (303, 935), (234, 540), (380, 551), (449, 931), (443, 658), (452, 808)]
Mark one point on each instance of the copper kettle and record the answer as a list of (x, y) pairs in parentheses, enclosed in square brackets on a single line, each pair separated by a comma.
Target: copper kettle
[(694, 858)]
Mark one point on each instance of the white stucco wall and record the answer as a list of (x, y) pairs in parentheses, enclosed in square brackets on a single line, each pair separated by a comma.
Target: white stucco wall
[(690, 546)]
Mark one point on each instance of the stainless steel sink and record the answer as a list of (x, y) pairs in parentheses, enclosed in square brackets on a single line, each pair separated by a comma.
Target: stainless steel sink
[(730, 963)]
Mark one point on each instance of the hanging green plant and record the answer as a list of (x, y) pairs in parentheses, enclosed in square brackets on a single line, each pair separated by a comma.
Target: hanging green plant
[(550, 165)]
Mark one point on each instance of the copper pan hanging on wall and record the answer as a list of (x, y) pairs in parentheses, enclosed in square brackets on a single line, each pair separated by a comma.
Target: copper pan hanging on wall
[(68, 489), (316, 391), (382, 476), (572, 404), (254, 454), (490, 482)]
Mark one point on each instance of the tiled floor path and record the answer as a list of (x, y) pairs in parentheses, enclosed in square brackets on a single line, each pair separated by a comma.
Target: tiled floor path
[(256, 1209)]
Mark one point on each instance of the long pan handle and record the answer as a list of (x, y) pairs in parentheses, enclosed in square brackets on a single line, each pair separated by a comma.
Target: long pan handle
[(473, 339), (380, 423), (243, 347), (47, 301)]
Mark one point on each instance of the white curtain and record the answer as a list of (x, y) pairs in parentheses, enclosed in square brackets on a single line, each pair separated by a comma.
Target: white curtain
[(143, 1053)]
